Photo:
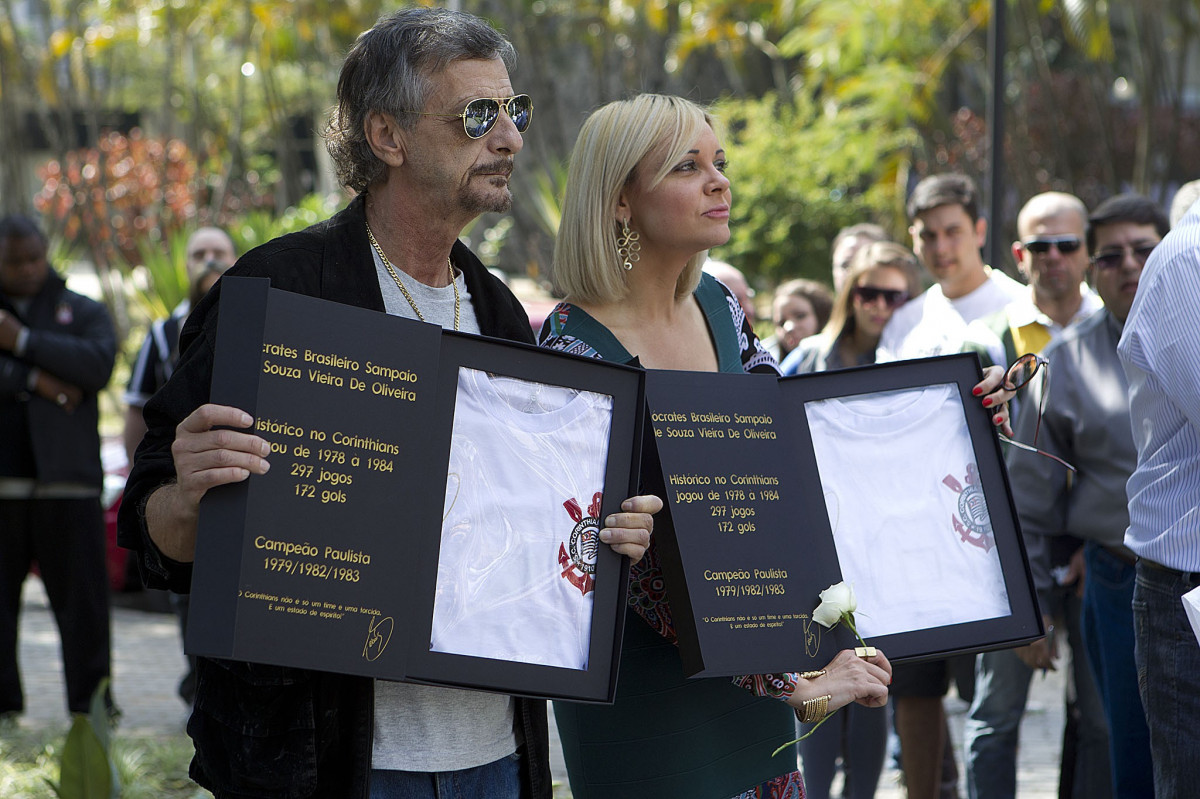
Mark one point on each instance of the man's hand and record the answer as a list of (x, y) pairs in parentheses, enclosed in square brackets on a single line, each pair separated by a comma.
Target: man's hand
[(1076, 572), (60, 392), (205, 457), (9, 329), (1042, 653), (628, 532)]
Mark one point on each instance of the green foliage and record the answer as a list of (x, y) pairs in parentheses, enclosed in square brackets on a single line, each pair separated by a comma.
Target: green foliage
[(259, 227), (798, 177), (160, 279), (146, 767), (86, 772)]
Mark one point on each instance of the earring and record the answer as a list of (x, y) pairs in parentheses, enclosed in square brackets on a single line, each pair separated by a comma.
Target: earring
[(629, 248)]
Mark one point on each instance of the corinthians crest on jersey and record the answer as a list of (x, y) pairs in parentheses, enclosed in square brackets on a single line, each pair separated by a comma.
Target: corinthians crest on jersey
[(577, 555), (971, 522)]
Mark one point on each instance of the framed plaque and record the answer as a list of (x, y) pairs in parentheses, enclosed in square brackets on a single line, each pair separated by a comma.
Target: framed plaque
[(433, 504), (888, 477)]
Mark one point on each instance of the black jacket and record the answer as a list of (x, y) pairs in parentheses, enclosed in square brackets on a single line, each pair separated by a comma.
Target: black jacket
[(70, 337), (270, 731)]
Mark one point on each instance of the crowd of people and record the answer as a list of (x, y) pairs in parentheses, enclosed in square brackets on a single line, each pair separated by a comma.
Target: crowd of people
[(1104, 466)]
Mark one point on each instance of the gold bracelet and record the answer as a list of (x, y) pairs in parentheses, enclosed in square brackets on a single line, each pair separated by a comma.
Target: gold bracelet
[(812, 675), (815, 709)]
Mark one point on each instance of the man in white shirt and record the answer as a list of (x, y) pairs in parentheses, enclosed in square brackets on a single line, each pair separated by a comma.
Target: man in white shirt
[(947, 234)]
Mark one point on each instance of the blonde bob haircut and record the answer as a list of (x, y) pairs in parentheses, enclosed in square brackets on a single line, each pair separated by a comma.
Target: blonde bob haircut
[(648, 132)]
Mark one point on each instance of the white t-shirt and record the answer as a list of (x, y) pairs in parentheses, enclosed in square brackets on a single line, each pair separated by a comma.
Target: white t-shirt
[(934, 325), (909, 519), (521, 521), (426, 727)]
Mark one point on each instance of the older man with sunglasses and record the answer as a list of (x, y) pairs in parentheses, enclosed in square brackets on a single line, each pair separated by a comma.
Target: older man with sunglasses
[(1051, 254), (426, 131), (1087, 422)]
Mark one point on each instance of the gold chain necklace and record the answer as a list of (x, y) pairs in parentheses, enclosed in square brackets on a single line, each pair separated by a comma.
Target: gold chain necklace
[(391, 271)]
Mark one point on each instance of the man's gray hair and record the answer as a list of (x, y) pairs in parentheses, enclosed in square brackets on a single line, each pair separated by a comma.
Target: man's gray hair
[(389, 70)]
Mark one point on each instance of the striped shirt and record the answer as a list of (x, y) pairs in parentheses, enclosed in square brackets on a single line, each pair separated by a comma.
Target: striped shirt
[(1162, 361)]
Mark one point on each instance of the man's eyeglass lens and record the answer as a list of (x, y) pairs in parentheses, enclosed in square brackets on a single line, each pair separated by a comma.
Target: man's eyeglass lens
[(1018, 376), (1065, 244), (1111, 259), (480, 115), (892, 298)]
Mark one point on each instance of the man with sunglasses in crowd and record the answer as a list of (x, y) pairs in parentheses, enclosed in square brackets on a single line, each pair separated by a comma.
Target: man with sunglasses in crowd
[(426, 131), (1051, 255), (1159, 352), (948, 234), (1086, 422)]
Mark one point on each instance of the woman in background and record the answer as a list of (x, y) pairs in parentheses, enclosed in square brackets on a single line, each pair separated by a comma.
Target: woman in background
[(799, 309), (882, 277)]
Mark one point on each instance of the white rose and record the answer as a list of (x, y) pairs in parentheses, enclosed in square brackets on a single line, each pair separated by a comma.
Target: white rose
[(836, 600)]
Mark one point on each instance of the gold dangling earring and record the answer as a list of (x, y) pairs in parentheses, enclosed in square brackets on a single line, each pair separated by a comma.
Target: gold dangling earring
[(629, 248)]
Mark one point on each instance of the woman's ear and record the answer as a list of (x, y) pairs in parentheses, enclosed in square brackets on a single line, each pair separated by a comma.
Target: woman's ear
[(385, 138), (621, 210)]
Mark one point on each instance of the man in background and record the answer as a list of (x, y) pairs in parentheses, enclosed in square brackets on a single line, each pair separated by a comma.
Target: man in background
[(57, 350), (1051, 254), (210, 252), (947, 234), (1087, 423)]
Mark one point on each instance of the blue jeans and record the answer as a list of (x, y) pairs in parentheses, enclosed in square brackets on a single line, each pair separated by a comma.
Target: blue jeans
[(1168, 660), (1108, 636), (993, 723), (500, 779)]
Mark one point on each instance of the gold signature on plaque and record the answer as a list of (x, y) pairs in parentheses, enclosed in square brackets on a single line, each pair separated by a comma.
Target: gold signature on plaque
[(812, 637), (379, 632)]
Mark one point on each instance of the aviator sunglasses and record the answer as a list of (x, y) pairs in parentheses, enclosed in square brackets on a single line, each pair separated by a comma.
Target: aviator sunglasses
[(1065, 244), (892, 298), (480, 114), (1018, 376)]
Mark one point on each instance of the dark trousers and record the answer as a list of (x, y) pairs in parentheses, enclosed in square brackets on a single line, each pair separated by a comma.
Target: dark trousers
[(66, 538)]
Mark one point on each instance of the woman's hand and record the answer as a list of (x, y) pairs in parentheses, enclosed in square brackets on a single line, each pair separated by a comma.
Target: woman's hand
[(995, 397), (628, 532), (848, 678)]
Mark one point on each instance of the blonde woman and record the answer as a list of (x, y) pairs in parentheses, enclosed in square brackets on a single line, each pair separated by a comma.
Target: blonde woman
[(646, 197)]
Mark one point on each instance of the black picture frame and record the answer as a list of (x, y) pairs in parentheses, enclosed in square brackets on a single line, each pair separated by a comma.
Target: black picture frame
[(742, 601), (333, 567), (961, 371)]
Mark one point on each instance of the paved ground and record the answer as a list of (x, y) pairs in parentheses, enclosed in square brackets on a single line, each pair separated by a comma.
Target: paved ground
[(148, 662)]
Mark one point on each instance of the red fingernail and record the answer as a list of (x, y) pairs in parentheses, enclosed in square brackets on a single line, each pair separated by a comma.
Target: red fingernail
[(997, 419), (977, 391), (987, 402)]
